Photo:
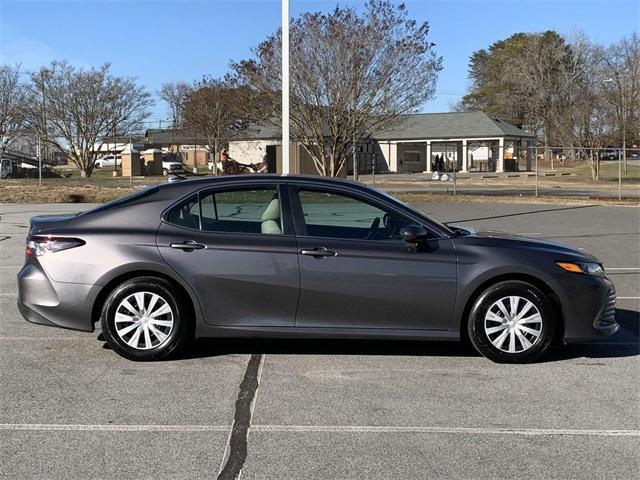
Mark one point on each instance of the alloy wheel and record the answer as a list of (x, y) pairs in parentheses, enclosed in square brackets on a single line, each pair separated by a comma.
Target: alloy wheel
[(144, 320), (513, 324)]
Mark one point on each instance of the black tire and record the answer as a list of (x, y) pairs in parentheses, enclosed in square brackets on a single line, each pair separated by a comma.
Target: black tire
[(165, 172), (481, 340), (180, 333)]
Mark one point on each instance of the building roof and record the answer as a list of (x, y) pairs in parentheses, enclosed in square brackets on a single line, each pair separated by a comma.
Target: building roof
[(170, 136), (417, 126), (421, 126)]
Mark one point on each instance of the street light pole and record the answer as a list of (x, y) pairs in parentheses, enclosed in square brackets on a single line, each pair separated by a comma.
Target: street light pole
[(285, 87)]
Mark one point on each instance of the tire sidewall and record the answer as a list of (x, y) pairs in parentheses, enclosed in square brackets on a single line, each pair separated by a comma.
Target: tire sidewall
[(153, 285), (477, 333)]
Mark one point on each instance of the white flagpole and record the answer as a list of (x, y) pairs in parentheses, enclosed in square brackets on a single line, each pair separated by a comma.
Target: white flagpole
[(285, 87)]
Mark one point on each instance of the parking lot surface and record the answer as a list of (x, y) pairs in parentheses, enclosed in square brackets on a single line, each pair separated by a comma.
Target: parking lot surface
[(311, 409)]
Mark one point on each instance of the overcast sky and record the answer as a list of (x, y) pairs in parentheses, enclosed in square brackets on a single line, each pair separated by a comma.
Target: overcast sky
[(160, 41)]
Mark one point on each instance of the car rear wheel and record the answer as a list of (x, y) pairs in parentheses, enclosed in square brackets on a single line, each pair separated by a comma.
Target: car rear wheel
[(165, 172), (512, 322), (143, 319)]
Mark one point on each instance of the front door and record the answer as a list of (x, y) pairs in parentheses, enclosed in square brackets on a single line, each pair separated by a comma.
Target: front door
[(357, 272), (233, 247)]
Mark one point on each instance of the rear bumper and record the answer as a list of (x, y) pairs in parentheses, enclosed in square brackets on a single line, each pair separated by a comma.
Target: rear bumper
[(57, 304)]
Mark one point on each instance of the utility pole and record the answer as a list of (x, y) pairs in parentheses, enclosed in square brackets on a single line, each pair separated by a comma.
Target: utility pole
[(623, 110), (39, 161), (355, 159), (285, 87), (42, 145)]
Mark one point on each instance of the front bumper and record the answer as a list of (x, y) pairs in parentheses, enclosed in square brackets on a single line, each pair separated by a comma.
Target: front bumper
[(46, 302), (589, 308)]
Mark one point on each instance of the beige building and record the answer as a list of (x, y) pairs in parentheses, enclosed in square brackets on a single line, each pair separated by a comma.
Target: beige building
[(426, 142)]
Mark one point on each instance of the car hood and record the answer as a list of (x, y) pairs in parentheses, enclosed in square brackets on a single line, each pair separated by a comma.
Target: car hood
[(509, 240)]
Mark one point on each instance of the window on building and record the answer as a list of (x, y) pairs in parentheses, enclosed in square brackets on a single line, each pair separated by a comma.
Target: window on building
[(412, 157)]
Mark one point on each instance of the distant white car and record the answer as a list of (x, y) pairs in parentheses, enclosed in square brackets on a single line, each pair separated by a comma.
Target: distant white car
[(171, 166), (108, 161)]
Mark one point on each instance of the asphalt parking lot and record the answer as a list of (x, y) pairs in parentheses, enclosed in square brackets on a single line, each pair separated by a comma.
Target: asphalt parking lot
[(71, 408)]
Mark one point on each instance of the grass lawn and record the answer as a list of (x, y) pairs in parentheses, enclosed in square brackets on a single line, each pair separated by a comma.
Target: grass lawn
[(102, 186)]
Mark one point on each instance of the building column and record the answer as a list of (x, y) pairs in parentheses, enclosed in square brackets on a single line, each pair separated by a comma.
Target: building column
[(393, 157), (500, 162), (428, 150), (465, 156)]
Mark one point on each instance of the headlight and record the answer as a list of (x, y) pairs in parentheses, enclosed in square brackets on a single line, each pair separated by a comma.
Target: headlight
[(591, 268)]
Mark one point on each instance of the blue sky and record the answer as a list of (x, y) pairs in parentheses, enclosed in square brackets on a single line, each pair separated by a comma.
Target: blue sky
[(160, 41)]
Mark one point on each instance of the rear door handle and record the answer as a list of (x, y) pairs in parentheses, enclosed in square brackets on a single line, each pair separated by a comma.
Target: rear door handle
[(318, 252), (188, 246)]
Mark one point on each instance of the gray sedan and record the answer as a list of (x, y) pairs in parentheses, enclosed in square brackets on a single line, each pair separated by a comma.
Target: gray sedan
[(294, 256)]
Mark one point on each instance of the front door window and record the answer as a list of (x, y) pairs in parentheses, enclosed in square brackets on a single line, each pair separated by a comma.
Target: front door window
[(333, 215)]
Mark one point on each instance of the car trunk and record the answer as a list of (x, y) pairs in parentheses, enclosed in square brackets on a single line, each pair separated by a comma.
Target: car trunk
[(45, 223)]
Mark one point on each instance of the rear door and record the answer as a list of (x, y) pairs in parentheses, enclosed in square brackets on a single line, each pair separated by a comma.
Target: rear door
[(236, 248), (357, 272)]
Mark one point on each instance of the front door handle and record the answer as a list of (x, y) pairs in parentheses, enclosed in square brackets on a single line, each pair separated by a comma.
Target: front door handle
[(318, 252), (188, 246)]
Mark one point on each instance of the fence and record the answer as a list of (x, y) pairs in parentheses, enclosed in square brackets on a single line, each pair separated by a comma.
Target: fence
[(531, 171)]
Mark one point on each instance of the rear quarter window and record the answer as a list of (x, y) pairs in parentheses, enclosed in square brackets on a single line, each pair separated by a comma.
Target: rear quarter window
[(127, 199)]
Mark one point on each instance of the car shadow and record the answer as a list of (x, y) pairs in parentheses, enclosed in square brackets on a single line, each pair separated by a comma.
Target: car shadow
[(625, 343)]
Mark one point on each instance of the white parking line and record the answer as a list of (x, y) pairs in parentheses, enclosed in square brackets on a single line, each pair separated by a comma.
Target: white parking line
[(623, 269), (48, 427), (454, 430), (31, 339), (627, 298)]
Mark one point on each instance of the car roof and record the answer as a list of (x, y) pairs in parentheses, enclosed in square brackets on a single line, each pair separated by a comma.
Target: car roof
[(245, 178)]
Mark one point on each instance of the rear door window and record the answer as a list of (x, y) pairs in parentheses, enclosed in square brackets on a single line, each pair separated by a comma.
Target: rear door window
[(250, 210), (242, 211), (185, 214)]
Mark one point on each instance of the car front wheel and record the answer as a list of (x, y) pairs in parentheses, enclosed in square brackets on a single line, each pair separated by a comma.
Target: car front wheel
[(144, 320), (511, 322)]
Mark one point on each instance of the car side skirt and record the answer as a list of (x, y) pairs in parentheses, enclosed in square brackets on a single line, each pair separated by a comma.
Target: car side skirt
[(209, 331)]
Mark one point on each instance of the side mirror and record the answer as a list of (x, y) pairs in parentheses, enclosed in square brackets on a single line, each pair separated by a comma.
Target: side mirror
[(413, 233)]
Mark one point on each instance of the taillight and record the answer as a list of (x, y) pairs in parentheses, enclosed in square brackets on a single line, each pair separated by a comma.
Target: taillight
[(38, 245)]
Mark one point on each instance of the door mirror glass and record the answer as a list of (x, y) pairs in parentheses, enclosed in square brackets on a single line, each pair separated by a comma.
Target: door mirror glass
[(413, 233)]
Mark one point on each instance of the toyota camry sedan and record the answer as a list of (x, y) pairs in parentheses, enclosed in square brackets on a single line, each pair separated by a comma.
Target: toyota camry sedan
[(297, 256)]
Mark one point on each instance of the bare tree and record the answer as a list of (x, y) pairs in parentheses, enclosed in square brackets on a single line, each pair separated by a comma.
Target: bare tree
[(13, 94), (77, 111), (175, 94), (584, 124), (621, 64), (539, 77), (351, 75), (218, 109)]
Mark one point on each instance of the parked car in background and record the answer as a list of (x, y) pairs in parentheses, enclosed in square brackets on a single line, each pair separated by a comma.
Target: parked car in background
[(610, 154), (109, 161), (171, 165), (302, 256)]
